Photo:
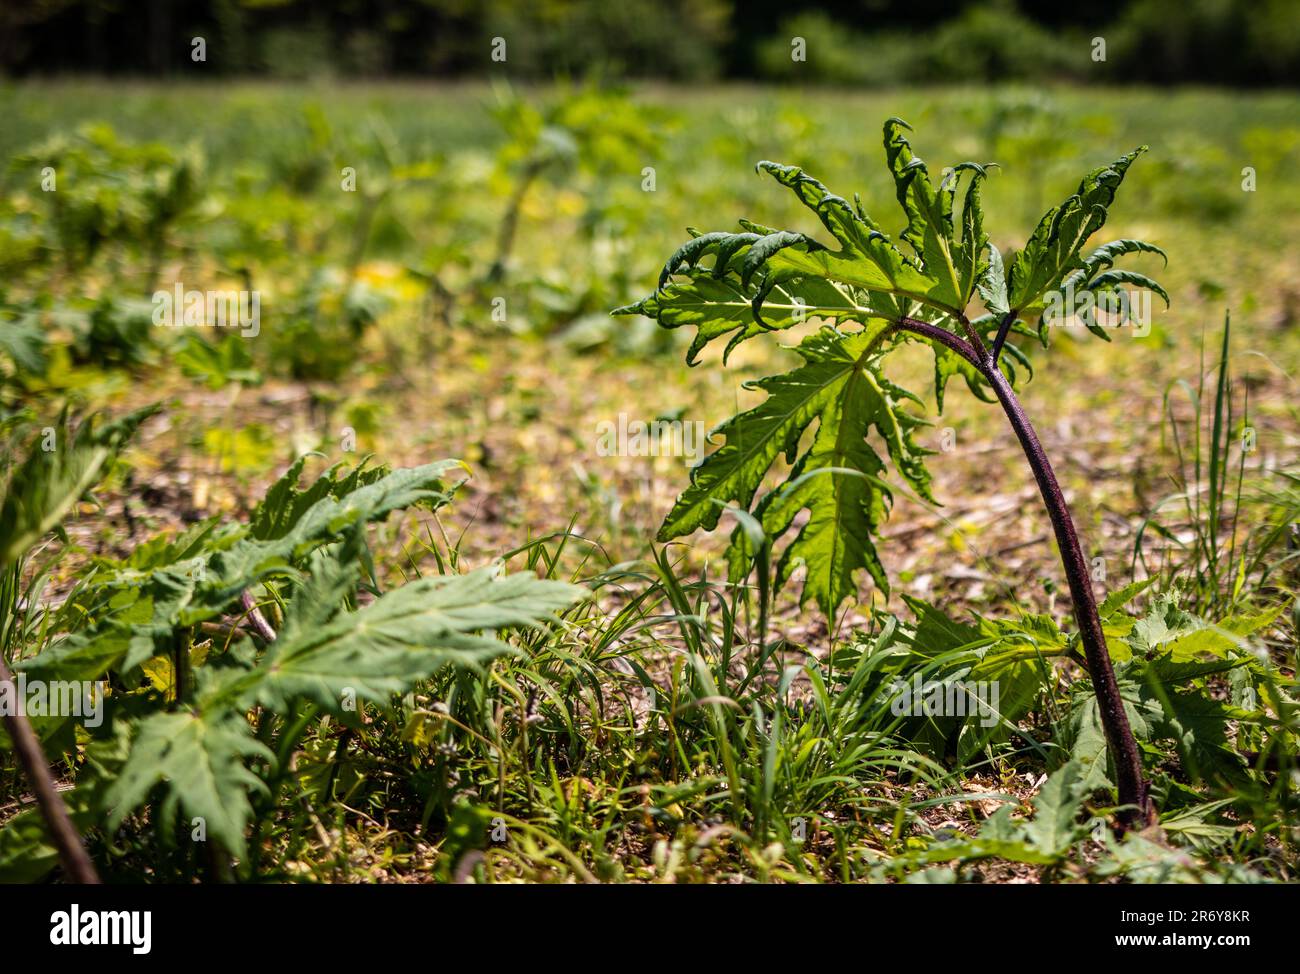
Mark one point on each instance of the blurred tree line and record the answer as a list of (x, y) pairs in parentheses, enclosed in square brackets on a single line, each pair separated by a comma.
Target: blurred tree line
[(852, 42)]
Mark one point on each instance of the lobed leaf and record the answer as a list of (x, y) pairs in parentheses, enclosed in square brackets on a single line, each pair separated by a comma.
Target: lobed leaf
[(953, 265), (837, 478), (404, 636), (1053, 249), (200, 758)]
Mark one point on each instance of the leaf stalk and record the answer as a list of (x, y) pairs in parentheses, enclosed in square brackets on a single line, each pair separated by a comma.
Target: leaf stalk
[(58, 824)]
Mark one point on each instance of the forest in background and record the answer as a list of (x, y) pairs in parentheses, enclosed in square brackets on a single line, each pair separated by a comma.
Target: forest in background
[(849, 42)]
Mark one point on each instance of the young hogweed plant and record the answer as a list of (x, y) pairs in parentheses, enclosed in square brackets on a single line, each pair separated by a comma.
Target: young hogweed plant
[(208, 704), (760, 280)]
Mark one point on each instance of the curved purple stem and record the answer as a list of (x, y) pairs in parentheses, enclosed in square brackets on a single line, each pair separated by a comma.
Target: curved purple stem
[(1133, 789), (1003, 330), (941, 335), (1132, 786)]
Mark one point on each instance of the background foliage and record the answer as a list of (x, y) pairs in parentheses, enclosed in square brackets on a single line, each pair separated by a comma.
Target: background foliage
[(871, 42)]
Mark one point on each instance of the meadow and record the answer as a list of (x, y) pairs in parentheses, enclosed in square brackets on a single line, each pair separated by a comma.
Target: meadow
[(312, 676)]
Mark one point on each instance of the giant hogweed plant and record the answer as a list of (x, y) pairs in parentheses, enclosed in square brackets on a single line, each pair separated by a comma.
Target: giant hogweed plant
[(204, 727), (875, 294)]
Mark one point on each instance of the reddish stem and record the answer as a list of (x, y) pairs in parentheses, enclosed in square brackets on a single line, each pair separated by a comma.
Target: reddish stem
[(72, 854), (1132, 786)]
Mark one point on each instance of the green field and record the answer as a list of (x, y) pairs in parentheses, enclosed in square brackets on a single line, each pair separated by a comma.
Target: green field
[(436, 265)]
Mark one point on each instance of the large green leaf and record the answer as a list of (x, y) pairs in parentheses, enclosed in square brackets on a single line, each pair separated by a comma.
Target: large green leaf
[(404, 636), (936, 633), (376, 491), (202, 585), (837, 478), (1221, 638), (720, 306), (1052, 251), (1011, 655), (1198, 726), (201, 758), (954, 264)]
